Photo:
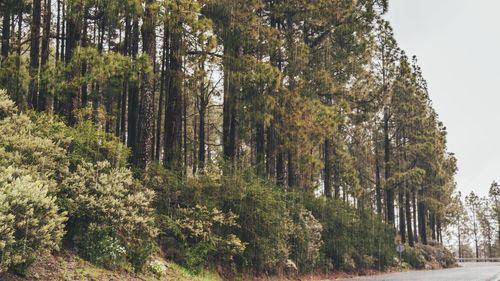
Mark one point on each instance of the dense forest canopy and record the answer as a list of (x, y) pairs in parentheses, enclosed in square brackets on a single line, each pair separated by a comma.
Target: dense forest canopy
[(235, 132)]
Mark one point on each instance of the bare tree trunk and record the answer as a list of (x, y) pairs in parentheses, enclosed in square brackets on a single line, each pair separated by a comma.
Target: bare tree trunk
[(387, 158), (43, 99), (174, 112), (327, 169), (34, 54), (5, 31), (146, 114), (408, 219)]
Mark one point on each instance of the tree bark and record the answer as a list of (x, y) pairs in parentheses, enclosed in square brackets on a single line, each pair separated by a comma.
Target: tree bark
[(133, 98), (174, 110), (6, 31), (411, 241), (422, 221), (34, 54), (73, 32), (161, 102), (260, 148), (402, 221), (43, 99), (387, 158), (327, 169), (146, 114)]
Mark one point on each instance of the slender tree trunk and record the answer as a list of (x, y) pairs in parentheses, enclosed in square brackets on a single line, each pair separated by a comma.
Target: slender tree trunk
[(18, 92), (62, 53), (72, 41), (6, 31), (146, 114), (433, 226), (174, 110), (422, 214), (161, 105), (414, 207), (201, 133), (133, 98), (280, 168), (387, 158), (43, 99), (291, 169), (411, 241), (378, 185), (402, 222), (58, 30), (34, 54), (123, 106), (260, 148), (459, 239), (327, 169), (230, 126)]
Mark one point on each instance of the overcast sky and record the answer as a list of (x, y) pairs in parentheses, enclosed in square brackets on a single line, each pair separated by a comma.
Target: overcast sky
[(457, 43)]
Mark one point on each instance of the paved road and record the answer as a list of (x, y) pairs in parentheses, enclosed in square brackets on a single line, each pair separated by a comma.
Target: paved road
[(486, 271)]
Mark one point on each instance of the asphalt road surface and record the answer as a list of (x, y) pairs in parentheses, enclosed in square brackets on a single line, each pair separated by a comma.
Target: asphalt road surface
[(483, 271)]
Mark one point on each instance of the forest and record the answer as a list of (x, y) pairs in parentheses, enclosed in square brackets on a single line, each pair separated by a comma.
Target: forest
[(246, 136)]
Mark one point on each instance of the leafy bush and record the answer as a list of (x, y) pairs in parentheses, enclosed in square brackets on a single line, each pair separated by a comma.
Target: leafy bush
[(413, 256), (158, 268), (353, 239), (110, 197), (305, 240), (198, 231), (23, 145), (30, 220), (7, 106), (435, 252), (101, 247)]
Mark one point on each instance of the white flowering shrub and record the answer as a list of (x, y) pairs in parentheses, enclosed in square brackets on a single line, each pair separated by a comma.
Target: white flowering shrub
[(97, 195), (30, 222), (158, 268)]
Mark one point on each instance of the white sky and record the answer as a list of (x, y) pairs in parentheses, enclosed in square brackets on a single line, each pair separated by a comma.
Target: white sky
[(457, 43)]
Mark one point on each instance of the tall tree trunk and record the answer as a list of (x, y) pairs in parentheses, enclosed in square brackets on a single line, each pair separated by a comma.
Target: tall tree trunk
[(415, 219), (292, 180), (327, 169), (6, 30), (161, 102), (408, 219), (18, 92), (34, 54), (73, 38), (174, 112), (43, 99), (422, 221), (133, 98), (123, 106), (402, 222), (378, 185), (260, 148), (433, 225), (146, 114), (201, 134), (387, 158), (230, 127)]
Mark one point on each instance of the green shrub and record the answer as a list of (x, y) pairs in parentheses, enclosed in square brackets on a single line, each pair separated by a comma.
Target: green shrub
[(158, 268), (350, 235), (31, 223), (413, 256), (7, 106), (197, 230), (100, 246), (23, 145), (305, 240), (110, 197)]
